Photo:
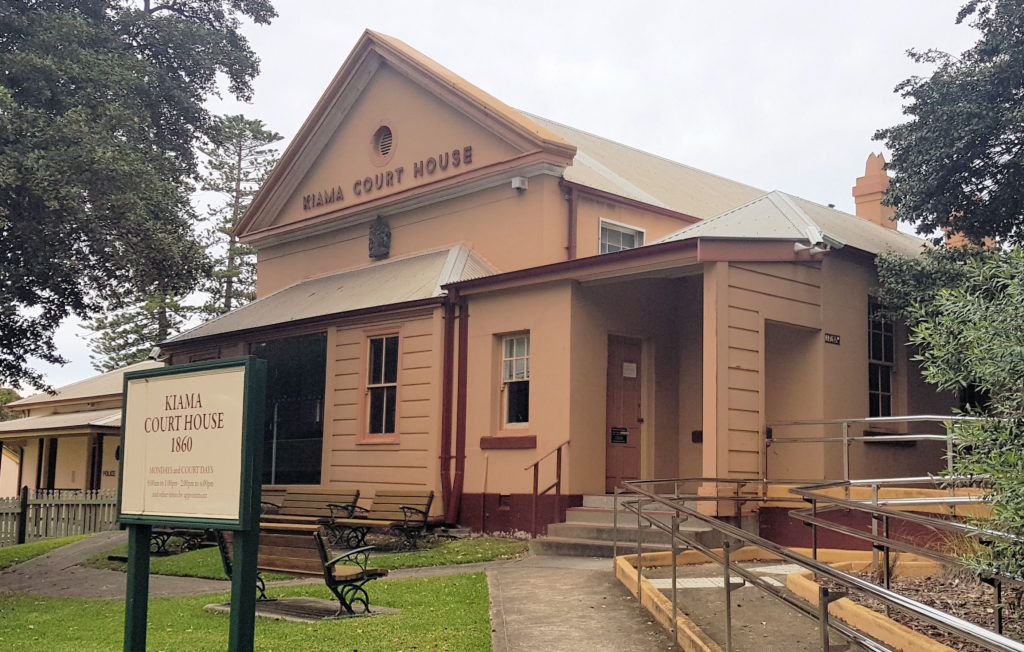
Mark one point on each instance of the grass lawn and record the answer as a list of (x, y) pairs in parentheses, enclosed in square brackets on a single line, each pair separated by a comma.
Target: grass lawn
[(11, 555), (438, 613), (433, 552)]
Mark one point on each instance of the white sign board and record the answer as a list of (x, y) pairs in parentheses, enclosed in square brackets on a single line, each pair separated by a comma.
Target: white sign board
[(182, 445)]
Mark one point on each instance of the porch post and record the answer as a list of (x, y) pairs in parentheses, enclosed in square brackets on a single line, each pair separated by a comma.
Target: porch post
[(715, 450)]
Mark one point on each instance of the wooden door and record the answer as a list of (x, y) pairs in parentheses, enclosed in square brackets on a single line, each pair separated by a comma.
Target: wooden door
[(623, 418)]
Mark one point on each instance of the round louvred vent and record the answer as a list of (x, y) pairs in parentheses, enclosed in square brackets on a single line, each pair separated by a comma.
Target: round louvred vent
[(382, 141)]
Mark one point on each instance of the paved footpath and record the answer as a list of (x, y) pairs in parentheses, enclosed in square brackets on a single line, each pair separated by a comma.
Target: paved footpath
[(556, 604), (56, 574)]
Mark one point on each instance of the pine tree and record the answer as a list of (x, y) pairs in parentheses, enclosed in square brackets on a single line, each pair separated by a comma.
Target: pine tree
[(238, 164), (128, 335)]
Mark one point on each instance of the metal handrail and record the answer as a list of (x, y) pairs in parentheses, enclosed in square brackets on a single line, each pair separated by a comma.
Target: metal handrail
[(933, 418), (547, 454), (556, 485), (881, 514), (846, 439), (952, 624)]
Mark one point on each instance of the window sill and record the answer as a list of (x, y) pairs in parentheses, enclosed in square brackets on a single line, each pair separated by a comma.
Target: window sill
[(374, 440), (508, 442)]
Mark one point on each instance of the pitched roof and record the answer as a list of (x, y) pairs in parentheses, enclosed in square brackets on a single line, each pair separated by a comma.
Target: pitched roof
[(781, 216), (386, 283), (110, 418), (110, 383), (622, 170)]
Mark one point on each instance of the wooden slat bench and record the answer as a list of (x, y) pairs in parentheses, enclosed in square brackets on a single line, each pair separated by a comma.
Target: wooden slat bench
[(296, 549), (401, 512), (272, 497), (313, 507)]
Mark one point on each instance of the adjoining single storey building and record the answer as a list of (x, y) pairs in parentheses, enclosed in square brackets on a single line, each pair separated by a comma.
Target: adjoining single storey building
[(450, 289), (67, 440)]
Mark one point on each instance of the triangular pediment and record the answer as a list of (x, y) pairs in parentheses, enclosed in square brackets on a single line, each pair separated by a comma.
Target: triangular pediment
[(393, 127)]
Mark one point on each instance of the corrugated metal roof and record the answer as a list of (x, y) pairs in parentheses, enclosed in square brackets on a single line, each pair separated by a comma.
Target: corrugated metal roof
[(94, 418), (107, 384), (622, 170), (390, 282), (780, 216), (860, 233)]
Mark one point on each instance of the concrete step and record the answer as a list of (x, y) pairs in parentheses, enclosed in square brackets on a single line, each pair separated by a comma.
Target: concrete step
[(583, 540), (586, 548), (593, 532), (623, 518), (588, 531), (607, 501), (597, 532)]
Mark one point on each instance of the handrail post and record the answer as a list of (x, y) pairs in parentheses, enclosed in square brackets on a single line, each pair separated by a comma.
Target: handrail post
[(846, 456), (949, 449), (728, 597), (615, 526), (639, 553), (675, 588), (886, 551), (558, 484), (533, 521), (874, 524), (814, 531), (997, 585), (823, 616)]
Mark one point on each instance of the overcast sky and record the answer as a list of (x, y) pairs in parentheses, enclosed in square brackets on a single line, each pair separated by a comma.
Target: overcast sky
[(779, 94)]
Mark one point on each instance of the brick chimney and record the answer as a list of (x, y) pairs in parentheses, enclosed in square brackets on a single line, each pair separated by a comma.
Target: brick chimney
[(870, 189)]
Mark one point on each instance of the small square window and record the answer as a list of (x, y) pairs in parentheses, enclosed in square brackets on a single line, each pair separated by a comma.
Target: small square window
[(616, 237), (515, 378)]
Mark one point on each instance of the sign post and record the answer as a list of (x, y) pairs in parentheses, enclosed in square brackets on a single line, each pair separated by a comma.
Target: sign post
[(191, 457)]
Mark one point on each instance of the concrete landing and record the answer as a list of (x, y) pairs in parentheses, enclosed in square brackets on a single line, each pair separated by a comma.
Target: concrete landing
[(760, 622), (567, 604)]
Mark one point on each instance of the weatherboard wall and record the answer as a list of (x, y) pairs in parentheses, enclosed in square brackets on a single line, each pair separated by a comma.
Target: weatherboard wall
[(407, 459)]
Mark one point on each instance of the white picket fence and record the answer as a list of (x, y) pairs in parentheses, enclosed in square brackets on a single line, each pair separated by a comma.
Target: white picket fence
[(50, 513)]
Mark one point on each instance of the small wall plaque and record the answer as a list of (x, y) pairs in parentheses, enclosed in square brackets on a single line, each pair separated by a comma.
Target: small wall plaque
[(620, 435), (629, 370), (832, 338)]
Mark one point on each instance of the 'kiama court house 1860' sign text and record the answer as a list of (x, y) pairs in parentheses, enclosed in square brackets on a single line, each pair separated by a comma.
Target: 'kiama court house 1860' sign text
[(183, 437)]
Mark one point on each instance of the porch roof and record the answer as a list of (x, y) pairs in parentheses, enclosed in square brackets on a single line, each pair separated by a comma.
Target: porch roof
[(107, 384), (781, 216), (392, 282), (92, 419)]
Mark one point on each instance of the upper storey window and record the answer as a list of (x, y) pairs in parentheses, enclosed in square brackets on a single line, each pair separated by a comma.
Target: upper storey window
[(617, 237)]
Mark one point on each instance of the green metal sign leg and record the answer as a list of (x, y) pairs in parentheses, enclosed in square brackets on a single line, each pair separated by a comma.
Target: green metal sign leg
[(136, 601), (243, 591)]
